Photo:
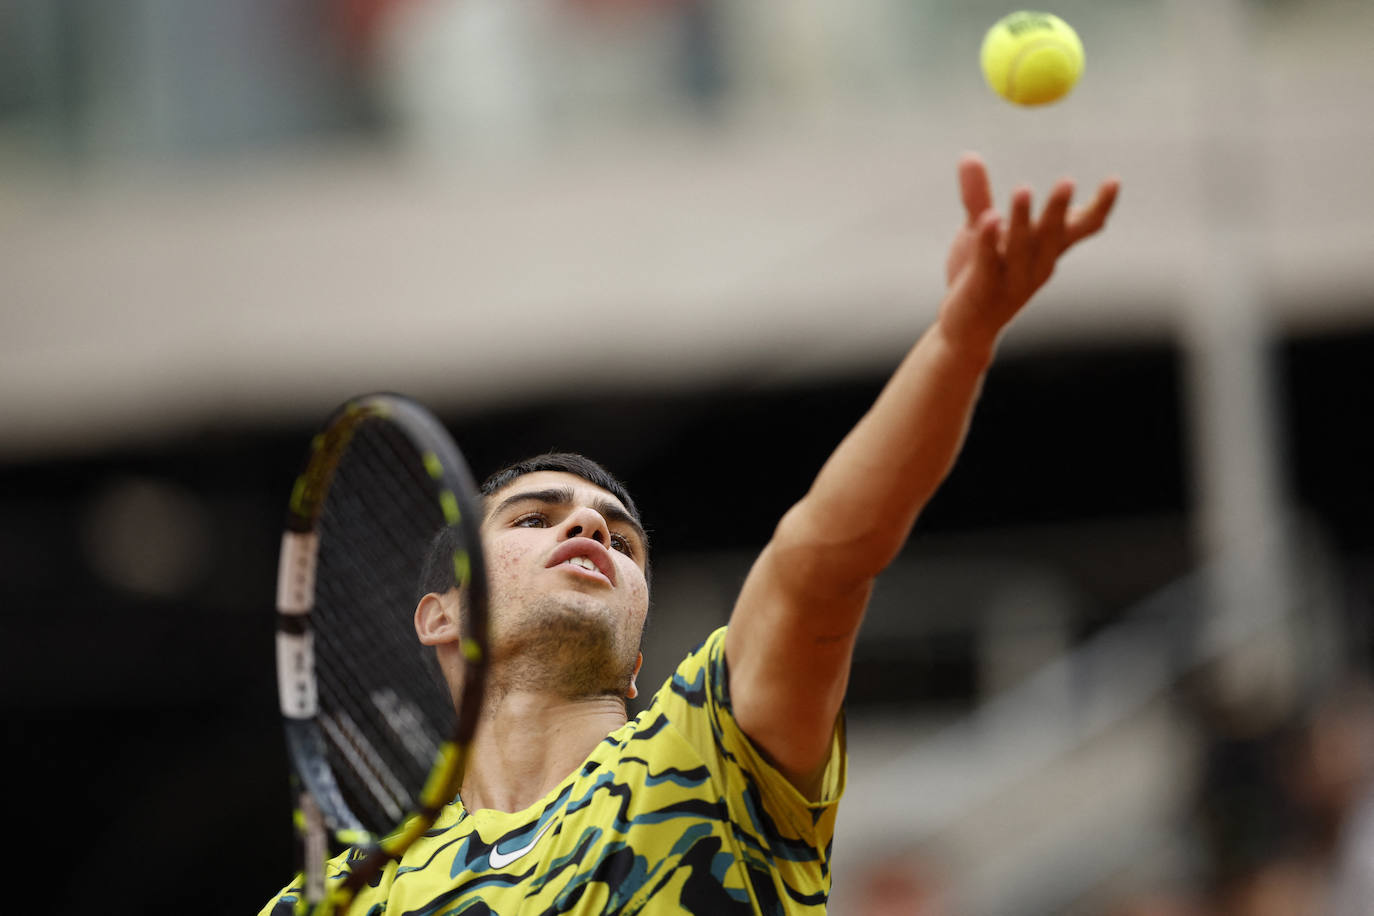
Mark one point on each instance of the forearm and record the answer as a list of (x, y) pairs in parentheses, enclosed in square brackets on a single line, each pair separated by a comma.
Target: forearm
[(792, 634), (866, 498)]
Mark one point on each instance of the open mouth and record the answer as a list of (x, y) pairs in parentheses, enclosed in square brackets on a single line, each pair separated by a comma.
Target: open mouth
[(586, 567), (586, 556)]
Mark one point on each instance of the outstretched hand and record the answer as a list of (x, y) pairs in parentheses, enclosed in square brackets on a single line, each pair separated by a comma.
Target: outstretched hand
[(994, 267)]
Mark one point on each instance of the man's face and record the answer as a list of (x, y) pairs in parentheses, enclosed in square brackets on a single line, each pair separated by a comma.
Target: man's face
[(566, 566)]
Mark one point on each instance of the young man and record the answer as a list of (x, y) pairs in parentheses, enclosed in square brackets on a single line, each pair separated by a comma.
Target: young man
[(720, 798)]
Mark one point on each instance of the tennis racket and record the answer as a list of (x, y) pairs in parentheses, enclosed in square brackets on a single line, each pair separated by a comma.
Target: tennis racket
[(376, 746)]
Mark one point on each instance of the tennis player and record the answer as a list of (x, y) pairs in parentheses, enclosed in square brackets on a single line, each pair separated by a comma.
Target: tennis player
[(721, 796)]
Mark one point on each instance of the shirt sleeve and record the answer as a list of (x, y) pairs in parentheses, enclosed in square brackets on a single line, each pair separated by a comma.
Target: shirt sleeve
[(771, 816)]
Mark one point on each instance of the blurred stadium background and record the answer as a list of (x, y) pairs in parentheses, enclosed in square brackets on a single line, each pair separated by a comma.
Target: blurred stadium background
[(1122, 663)]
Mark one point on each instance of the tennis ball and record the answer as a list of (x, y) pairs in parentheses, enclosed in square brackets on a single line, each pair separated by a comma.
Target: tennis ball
[(1032, 58)]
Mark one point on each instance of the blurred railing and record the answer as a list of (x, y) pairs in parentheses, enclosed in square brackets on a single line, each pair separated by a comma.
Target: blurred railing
[(1086, 767)]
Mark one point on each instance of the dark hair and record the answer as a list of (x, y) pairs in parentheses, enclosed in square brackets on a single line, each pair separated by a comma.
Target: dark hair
[(568, 463), (437, 575)]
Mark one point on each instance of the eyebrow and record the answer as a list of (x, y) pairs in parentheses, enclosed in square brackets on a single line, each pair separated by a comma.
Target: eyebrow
[(610, 510)]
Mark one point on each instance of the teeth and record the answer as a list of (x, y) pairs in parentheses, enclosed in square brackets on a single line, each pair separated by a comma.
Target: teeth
[(584, 562)]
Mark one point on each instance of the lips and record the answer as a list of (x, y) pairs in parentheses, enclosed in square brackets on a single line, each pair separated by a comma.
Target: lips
[(584, 547)]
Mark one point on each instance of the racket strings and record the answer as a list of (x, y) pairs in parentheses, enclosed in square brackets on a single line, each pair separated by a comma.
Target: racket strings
[(359, 725), (383, 704)]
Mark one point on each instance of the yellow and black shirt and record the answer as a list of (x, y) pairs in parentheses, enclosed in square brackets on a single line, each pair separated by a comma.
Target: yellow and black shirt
[(674, 812)]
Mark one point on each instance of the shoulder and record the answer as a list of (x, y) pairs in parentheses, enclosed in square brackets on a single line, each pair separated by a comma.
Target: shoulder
[(696, 703), (701, 676)]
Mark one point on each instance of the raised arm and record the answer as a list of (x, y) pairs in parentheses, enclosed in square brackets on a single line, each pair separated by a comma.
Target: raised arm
[(793, 629)]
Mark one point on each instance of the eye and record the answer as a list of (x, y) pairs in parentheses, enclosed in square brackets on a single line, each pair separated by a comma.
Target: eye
[(621, 543), (531, 520)]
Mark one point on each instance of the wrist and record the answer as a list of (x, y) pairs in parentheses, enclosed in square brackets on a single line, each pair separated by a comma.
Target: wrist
[(970, 347)]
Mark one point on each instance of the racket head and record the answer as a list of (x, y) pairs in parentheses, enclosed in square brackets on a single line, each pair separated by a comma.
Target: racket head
[(375, 745)]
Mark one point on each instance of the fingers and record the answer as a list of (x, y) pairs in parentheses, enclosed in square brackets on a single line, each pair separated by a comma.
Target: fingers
[(1050, 231), (973, 187), (1018, 237), (1092, 218), (1024, 250), (1051, 225)]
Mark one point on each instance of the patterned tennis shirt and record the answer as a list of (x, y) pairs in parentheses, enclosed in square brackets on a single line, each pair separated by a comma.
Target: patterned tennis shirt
[(674, 812)]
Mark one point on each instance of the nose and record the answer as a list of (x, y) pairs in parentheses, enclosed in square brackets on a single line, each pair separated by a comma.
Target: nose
[(586, 522)]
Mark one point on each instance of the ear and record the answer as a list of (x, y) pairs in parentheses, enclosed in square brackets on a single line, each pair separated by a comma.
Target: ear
[(633, 691), (436, 619)]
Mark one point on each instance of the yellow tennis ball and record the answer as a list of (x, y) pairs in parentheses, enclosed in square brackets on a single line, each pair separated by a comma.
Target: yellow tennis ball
[(1032, 58)]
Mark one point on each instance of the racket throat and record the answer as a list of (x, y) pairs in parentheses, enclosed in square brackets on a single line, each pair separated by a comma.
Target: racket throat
[(316, 843)]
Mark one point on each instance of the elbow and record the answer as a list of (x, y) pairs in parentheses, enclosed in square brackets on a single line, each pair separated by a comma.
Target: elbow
[(844, 551)]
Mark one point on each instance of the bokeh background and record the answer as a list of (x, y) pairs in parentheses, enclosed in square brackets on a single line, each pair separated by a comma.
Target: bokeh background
[(1121, 667)]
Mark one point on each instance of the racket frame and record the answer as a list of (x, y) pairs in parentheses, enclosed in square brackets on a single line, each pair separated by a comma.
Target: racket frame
[(321, 814)]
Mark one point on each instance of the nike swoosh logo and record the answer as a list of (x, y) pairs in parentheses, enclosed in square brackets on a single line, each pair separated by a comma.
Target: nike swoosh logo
[(501, 859)]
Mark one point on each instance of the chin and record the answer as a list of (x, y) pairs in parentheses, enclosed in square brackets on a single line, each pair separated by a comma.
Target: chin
[(580, 636), (578, 613)]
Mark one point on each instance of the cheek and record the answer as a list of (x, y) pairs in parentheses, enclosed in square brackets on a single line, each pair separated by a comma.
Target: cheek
[(503, 557), (637, 589), (503, 564)]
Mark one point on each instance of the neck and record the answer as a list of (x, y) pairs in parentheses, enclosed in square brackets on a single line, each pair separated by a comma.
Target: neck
[(528, 741)]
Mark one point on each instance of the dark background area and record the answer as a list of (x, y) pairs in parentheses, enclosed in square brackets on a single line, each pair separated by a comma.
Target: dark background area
[(148, 725)]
